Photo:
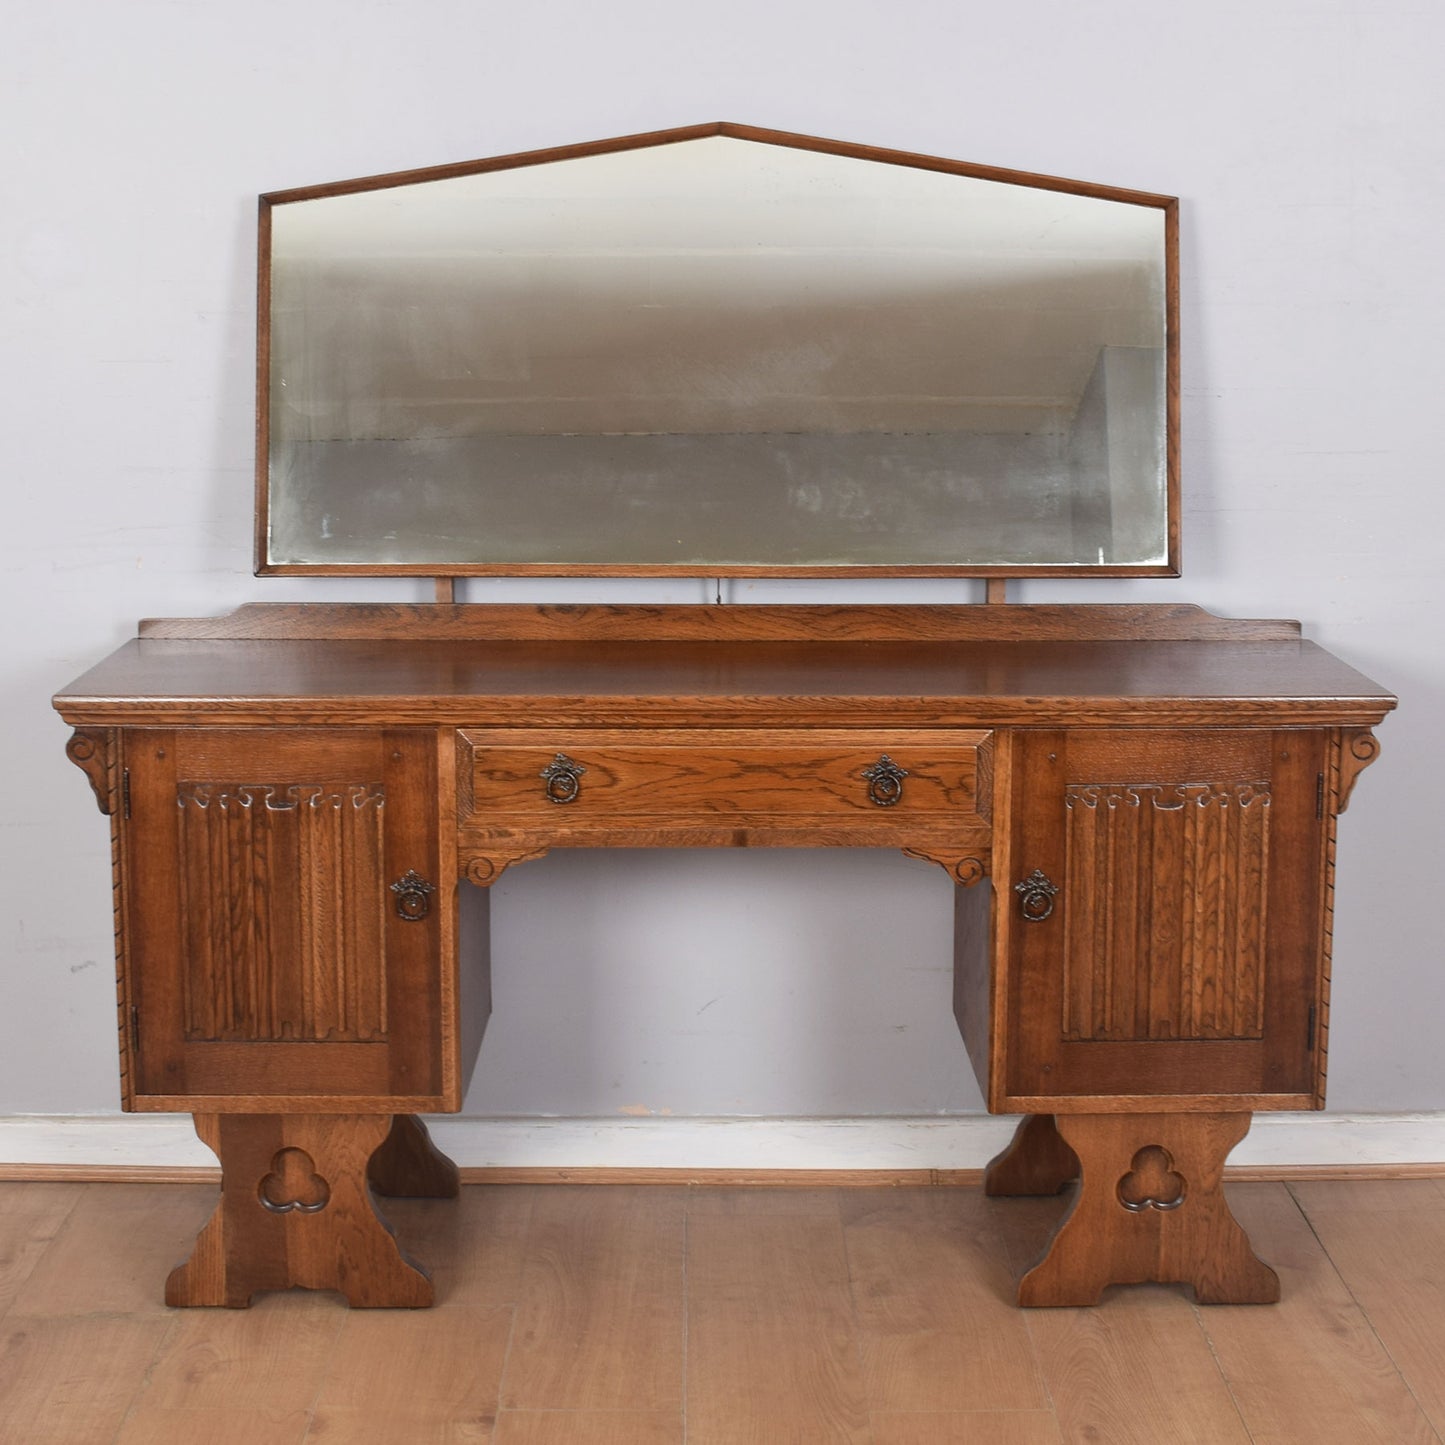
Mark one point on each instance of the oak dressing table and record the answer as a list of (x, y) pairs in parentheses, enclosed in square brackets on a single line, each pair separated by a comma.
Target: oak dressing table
[(308, 803)]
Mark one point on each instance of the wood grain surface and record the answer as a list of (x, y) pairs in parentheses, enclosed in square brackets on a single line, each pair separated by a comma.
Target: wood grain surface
[(1178, 774), (1351, 1356), (804, 622)]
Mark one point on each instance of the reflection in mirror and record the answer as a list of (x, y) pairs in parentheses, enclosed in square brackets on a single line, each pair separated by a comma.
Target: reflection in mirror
[(717, 355)]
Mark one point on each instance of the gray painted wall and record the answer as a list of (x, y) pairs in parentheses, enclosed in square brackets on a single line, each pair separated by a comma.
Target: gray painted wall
[(1305, 143)]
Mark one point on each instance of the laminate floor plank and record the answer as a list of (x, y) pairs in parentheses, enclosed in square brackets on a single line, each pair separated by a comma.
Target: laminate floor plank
[(71, 1380), (114, 1250), (969, 1427), (773, 1347), (220, 1425), (1392, 1261), (1136, 1369), (590, 1427), (31, 1215), (1135, 1372), (599, 1322), (1377, 1196), (271, 1357), (868, 1316), (473, 1246), (440, 1370), (1309, 1370), (933, 1297), (347, 1426)]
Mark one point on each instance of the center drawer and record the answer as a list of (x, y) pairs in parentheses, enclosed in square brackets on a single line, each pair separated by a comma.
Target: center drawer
[(860, 775)]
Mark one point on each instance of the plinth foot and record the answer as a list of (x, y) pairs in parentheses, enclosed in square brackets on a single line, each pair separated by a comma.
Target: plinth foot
[(295, 1211), (1037, 1161), (1150, 1207), (409, 1166)]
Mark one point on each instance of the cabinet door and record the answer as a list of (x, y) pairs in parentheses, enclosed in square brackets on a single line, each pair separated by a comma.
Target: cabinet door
[(1182, 953), (270, 962)]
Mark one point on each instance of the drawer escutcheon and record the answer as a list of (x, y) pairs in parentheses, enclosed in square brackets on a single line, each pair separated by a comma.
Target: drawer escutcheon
[(563, 779), (885, 781)]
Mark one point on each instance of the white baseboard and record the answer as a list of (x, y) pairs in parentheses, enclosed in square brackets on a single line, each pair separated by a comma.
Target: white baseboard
[(161, 1141)]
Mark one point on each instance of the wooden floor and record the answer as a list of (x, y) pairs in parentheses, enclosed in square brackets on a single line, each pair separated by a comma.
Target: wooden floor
[(649, 1315)]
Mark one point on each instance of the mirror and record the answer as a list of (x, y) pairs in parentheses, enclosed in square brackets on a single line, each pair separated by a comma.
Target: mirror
[(721, 352)]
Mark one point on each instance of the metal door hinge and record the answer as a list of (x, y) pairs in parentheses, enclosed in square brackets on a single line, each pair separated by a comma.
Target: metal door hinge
[(125, 793), (1320, 797), (1310, 1034)]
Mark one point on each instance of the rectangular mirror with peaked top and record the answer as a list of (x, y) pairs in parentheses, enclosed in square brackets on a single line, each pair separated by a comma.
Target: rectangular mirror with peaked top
[(718, 351)]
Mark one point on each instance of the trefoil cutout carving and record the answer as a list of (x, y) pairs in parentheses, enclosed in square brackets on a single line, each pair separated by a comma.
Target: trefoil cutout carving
[(1152, 1182), (293, 1185)]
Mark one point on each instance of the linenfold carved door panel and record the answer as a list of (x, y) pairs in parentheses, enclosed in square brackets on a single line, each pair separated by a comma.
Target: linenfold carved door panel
[(1165, 927), (285, 912), (305, 964)]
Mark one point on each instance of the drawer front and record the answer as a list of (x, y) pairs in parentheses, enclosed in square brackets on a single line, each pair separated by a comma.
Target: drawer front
[(576, 775)]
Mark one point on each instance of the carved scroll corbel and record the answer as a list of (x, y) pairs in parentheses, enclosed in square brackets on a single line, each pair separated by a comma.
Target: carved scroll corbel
[(92, 751), (966, 869), (484, 869), (1358, 749)]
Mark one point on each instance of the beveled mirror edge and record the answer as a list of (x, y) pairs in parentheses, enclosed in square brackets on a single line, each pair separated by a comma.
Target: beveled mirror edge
[(1169, 205)]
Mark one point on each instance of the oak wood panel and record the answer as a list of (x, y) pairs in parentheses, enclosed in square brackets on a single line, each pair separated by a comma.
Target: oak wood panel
[(1168, 896), (295, 1210), (264, 954), (92, 750), (283, 899), (973, 974), (1175, 1032), (773, 775), (1211, 919), (473, 954), (1036, 1161), (1351, 750), (829, 684), (638, 622), (420, 979), (1149, 1207), (408, 1165), (463, 963), (961, 851)]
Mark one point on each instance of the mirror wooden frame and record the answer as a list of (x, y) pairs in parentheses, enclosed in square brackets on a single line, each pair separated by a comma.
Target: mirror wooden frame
[(1168, 205)]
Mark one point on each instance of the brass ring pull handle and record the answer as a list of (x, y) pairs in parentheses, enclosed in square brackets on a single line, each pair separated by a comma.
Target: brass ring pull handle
[(1036, 896), (413, 896), (885, 781), (562, 777)]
